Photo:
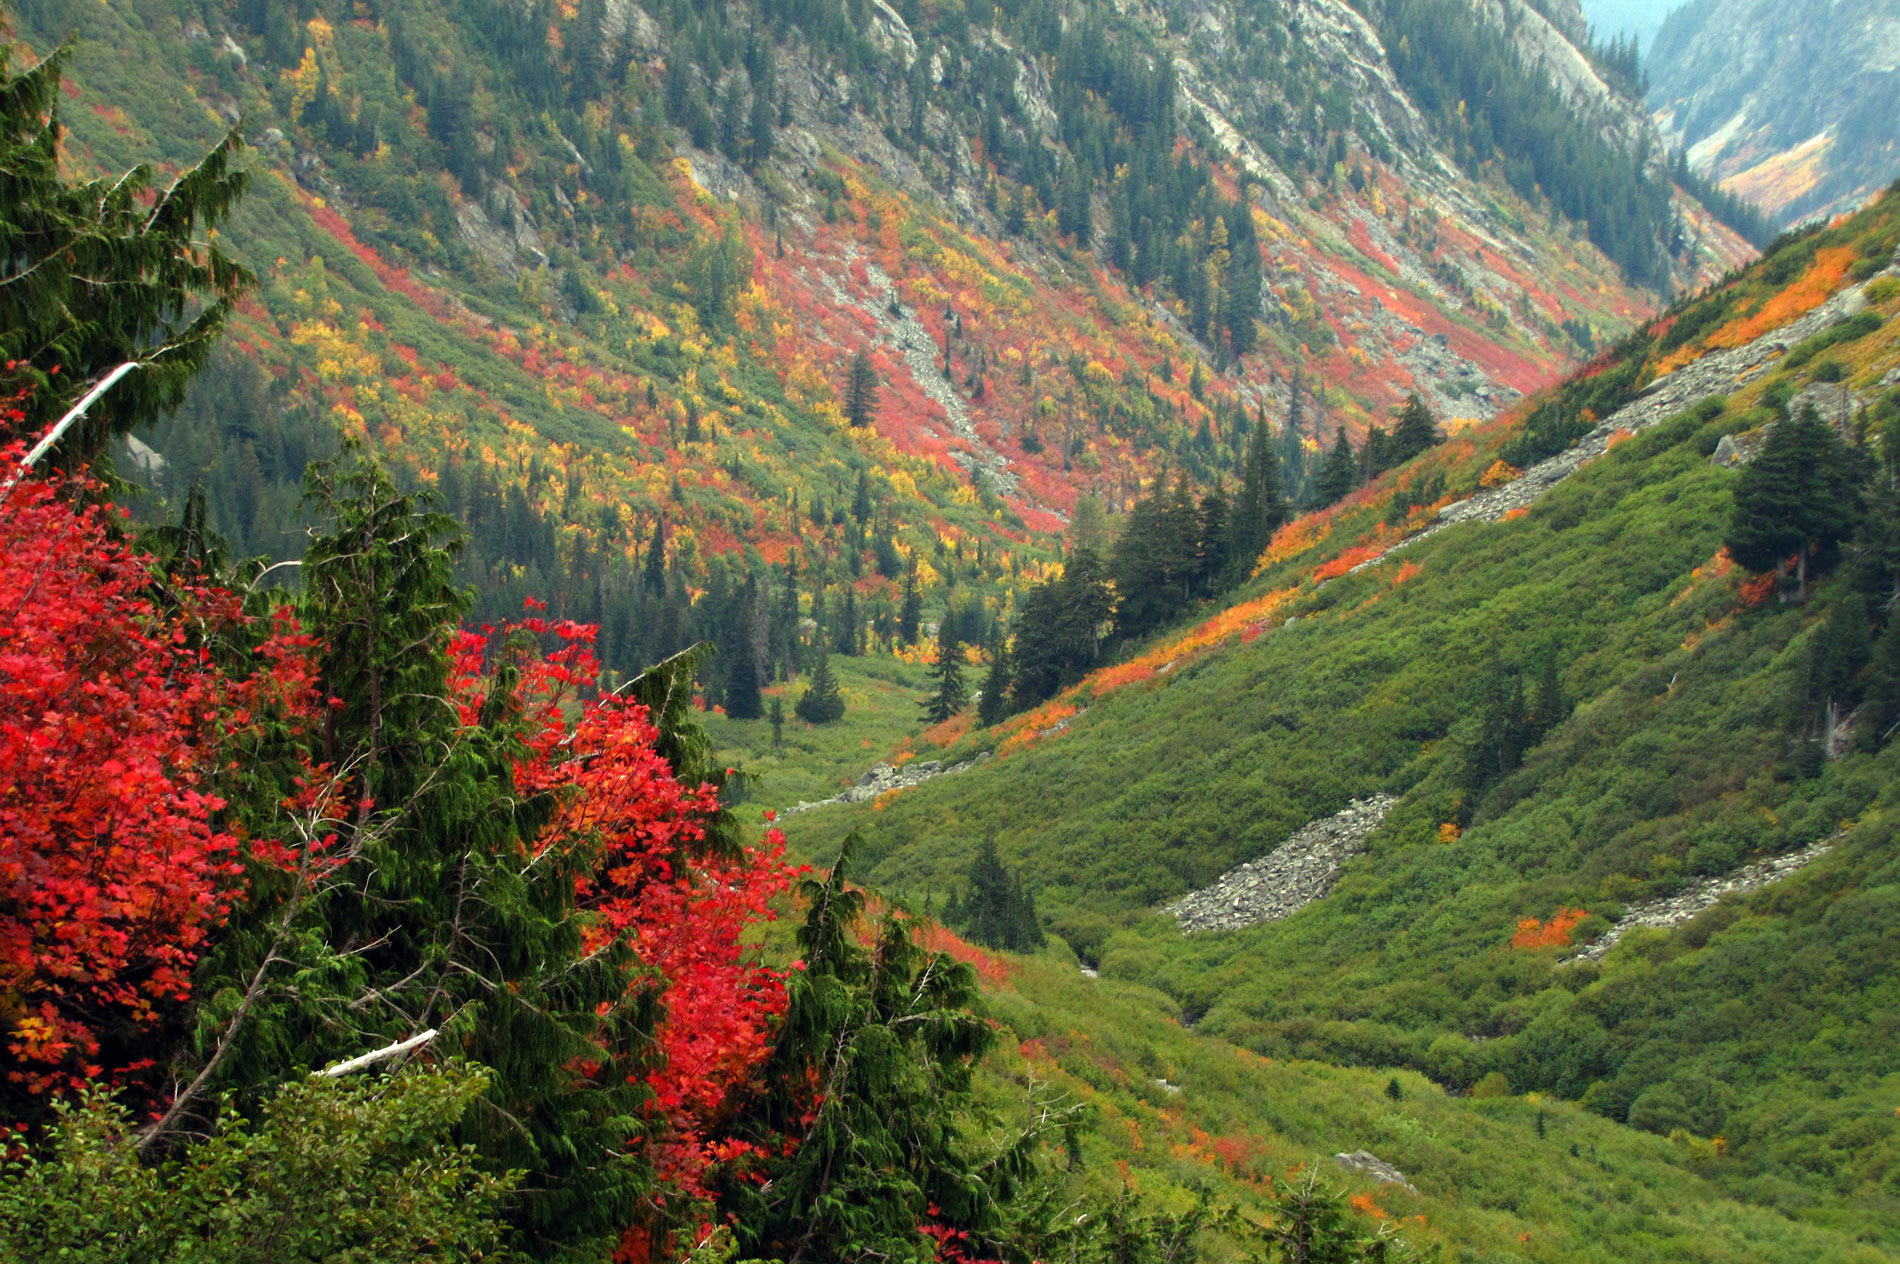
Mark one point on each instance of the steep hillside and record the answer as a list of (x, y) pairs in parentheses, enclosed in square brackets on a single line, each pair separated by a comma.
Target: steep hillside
[(1795, 107), (601, 274), (1583, 705)]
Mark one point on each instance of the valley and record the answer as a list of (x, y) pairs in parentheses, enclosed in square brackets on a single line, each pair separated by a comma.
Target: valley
[(1160, 633)]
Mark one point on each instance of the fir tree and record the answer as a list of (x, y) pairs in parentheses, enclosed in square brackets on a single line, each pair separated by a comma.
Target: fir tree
[(1794, 500), (778, 724), (948, 698), (1415, 431), (462, 935), (863, 1120), (1338, 473), (99, 273), (742, 686), (860, 391), (1261, 507), (994, 704), (821, 703), (910, 614), (997, 912)]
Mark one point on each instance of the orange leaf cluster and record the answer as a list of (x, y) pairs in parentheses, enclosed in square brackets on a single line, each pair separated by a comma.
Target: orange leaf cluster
[(1555, 933), (1822, 278), (950, 731), (1036, 724), (1354, 556), (1501, 472), (1757, 591)]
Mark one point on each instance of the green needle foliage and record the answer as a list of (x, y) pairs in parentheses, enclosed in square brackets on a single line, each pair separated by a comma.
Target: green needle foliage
[(871, 1074), (1795, 500), (96, 273)]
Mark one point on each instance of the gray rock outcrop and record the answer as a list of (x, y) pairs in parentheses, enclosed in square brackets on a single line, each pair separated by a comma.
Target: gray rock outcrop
[(1369, 1164), (1287, 879), (888, 777), (1701, 896)]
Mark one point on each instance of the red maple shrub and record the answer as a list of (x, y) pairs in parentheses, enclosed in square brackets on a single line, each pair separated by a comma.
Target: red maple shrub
[(114, 867)]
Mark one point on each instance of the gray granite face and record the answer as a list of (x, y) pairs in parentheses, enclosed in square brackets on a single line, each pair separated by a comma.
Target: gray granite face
[(1378, 1169), (1287, 879)]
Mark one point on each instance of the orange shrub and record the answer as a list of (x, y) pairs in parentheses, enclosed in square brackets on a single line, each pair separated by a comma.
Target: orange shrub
[(1501, 472), (1555, 933), (1352, 557)]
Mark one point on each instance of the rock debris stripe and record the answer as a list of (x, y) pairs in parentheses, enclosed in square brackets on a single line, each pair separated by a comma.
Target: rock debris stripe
[(886, 777), (1717, 373), (1287, 879), (1701, 896)]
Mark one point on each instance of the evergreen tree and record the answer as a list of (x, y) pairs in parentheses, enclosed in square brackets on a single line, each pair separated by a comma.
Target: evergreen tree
[(860, 391), (1883, 688), (742, 686), (948, 698), (1796, 499), (1059, 630), (778, 724), (996, 912), (1217, 543), (435, 921), (1338, 473), (1261, 507), (1838, 653), (850, 630), (821, 703), (994, 704), (910, 614), (1415, 431), (862, 1120), (102, 272)]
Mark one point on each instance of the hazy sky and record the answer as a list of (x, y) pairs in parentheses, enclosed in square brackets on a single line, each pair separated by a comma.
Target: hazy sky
[(1614, 17)]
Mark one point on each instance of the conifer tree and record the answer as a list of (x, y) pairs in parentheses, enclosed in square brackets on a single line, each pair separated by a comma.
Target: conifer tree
[(860, 391), (1415, 431), (97, 273), (1794, 500), (910, 614), (821, 703), (996, 911), (862, 1121), (1338, 473), (950, 694), (778, 723), (994, 704), (440, 923), (1261, 506), (742, 685)]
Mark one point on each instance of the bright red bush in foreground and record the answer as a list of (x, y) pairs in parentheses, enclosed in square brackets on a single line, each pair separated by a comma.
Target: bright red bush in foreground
[(112, 868)]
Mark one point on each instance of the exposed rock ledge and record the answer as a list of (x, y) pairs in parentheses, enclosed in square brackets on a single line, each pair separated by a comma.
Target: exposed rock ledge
[(1287, 879), (1375, 1167), (886, 777), (1701, 896)]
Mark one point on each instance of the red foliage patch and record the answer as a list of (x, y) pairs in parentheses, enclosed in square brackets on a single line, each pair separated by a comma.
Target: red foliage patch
[(113, 865), (1555, 933)]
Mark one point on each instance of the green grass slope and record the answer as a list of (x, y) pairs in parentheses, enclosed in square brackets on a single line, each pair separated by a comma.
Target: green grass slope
[(1765, 1023)]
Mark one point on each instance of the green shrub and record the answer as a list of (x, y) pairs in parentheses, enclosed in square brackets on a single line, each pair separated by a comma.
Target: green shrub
[(359, 1170), (1492, 1085)]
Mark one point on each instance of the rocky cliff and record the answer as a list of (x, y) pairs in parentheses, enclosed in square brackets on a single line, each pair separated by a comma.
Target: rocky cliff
[(1794, 106)]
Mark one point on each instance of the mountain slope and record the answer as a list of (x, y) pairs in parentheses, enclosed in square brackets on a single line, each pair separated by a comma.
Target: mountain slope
[(1582, 704), (618, 262), (1793, 107)]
